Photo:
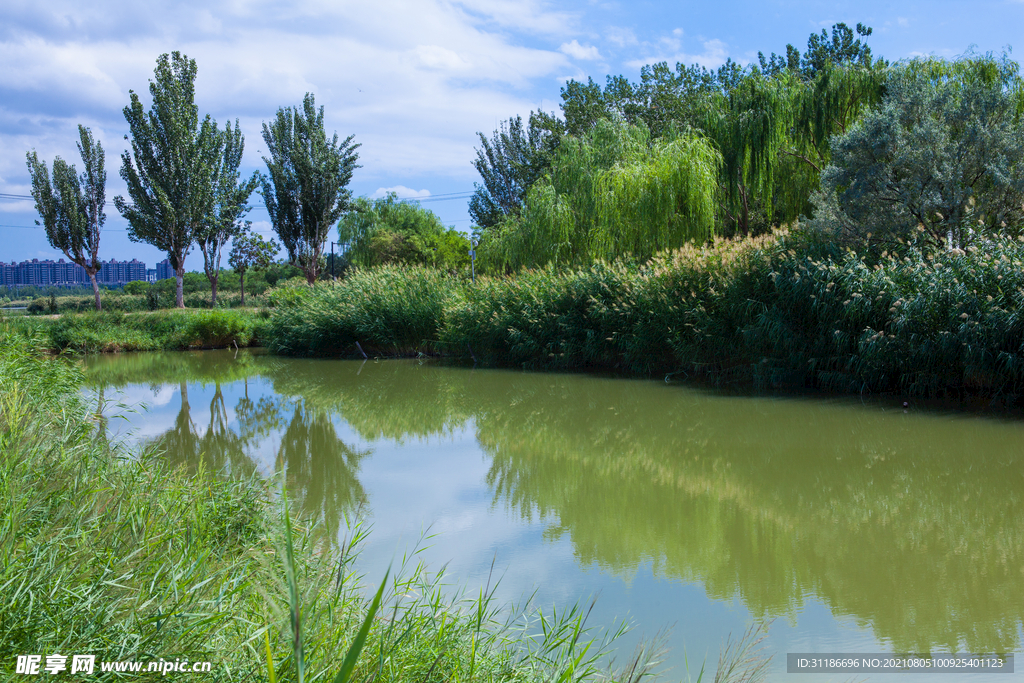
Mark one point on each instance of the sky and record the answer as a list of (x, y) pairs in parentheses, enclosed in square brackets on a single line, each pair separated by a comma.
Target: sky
[(412, 80)]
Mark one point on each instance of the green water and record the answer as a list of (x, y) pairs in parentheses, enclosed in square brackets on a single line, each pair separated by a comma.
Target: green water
[(856, 527)]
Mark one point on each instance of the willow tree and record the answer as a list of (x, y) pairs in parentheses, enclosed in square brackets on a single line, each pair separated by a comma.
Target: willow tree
[(749, 127), (230, 206), (614, 192), (173, 166), (72, 207), (306, 190)]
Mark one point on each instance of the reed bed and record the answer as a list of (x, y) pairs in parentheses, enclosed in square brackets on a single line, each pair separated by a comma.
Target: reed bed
[(782, 310), (388, 310), (119, 556)]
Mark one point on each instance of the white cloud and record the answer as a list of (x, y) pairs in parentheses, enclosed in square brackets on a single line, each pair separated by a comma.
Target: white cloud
[(623, 37), (577, 51), (412, 80), (402, 191), (713, 56)]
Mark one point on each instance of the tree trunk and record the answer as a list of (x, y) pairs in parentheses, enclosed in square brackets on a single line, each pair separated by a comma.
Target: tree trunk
[(95, 290), (213, 292), (241, 285), (745, 219), (179, 289)]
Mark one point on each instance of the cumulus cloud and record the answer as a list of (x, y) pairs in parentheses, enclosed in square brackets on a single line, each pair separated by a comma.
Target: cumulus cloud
[(577, 51), (412, 80)]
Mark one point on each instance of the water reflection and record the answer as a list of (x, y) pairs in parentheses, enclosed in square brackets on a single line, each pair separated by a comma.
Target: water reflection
[(909, 523)]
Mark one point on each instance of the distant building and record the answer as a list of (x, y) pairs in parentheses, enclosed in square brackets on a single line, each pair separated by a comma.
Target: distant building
[(63, 274), (164, 270), (150, 274)]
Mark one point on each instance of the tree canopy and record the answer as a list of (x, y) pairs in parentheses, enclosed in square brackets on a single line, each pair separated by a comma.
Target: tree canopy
[(613, 191), (229, 207), (72, 206), (943, 156), (306, 190), (391, 231), (173, 166), (509, 163)]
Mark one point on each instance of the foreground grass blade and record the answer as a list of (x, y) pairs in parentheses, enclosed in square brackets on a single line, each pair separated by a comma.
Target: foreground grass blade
[(357, 645)]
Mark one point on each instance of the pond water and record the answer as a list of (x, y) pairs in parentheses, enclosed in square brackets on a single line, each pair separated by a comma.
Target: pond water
[(860, 528)]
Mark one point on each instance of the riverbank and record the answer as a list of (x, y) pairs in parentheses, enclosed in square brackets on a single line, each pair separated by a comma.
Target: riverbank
[(779, 311), (117, 555)]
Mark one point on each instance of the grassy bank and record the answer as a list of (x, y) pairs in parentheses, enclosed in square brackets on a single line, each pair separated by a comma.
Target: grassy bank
[(126, 559), (775, 311), (155, 331)]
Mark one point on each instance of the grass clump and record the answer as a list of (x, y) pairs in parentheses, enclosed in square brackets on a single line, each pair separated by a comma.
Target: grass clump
[(386, 310), (159, 330), (120, 556)]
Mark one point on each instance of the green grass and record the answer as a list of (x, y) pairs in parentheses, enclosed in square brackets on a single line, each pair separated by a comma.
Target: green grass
[(116, 554), (158, 330)]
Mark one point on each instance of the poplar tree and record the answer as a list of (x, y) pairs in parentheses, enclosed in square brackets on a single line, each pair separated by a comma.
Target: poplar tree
[(306, 190), (230, 206), (173, 167), (72, 206), (509, 163)]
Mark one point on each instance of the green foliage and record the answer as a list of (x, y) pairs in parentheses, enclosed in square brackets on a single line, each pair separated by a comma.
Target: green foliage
[(823, 53), (771, 125), (613, 192), (307, 189), (249, 251), (943, 154), (174, 164), (72, 207), (391, 309), (230, 207), (509, 163), (777, 310), (388, 231), (162, 330)]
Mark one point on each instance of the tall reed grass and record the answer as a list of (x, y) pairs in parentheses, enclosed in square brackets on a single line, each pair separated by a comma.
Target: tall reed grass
[(386, 310), (115, 554), (782, 310)]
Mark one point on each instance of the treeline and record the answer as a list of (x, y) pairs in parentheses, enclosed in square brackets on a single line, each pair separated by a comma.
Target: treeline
[(867, 150), (185, 190)]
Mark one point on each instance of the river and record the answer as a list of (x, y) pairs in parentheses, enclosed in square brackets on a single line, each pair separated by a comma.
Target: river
[(852, 526)]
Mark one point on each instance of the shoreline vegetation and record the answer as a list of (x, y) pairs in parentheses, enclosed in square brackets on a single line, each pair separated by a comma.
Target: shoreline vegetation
[(789, 311), (116, 554), (781, 311)]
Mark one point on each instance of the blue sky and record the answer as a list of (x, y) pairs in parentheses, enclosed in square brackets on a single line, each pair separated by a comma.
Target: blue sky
[(412, 80)]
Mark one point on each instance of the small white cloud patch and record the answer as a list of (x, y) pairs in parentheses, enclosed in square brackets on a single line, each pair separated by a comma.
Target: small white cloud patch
[(577, 51), (402, 191)]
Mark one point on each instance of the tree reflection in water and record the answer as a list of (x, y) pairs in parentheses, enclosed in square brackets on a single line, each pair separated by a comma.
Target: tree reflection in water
[(912, 524)]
